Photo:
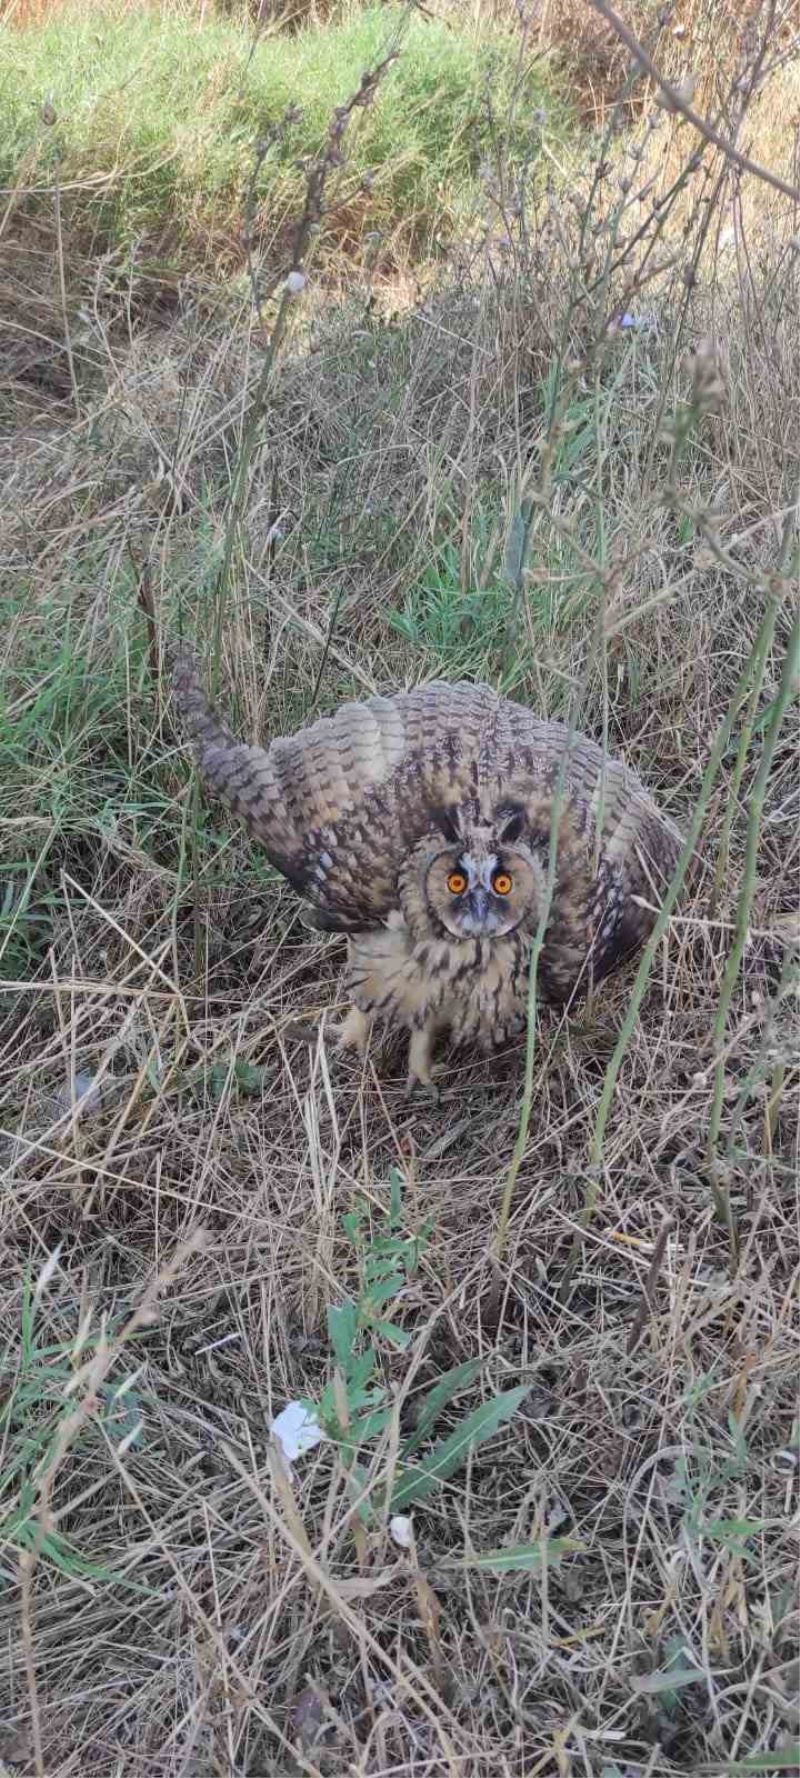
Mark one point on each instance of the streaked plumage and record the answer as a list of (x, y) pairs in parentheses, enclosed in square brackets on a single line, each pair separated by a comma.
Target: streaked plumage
[(379, 813)]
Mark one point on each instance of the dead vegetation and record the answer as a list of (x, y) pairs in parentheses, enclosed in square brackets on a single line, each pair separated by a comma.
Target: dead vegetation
[(572, 466)]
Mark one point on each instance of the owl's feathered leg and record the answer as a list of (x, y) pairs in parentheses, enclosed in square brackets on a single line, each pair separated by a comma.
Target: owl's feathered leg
[(353, 1032), (420, 1051)]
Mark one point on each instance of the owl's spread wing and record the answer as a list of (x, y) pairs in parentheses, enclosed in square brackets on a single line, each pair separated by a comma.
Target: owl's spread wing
[(339, 806), (618, 863)]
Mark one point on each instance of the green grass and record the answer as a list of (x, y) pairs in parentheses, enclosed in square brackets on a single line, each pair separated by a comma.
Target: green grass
[(159, 117), (484, 629), (83, 771), (35, 1413)]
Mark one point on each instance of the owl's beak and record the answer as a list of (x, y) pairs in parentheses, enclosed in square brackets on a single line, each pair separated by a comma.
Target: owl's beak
[(478, 903)]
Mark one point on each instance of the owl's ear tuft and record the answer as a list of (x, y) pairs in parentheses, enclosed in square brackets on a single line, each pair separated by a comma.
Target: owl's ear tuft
[(448, 822), (510, 821)]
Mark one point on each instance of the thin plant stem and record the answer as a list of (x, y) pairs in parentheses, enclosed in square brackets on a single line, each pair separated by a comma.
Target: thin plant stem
[(787, 987), (758, 653), (773, 1105), (530, 1042), (745, 743), (734, 963), (306, 230), (721, 743), (238, 486), (746, 737), (62, 286), (26, 1566)]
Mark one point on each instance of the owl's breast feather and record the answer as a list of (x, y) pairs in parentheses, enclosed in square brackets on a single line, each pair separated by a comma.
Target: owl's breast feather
[(476, 987)]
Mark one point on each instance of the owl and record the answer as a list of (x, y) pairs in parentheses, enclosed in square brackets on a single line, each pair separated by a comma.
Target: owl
[(436, 828)]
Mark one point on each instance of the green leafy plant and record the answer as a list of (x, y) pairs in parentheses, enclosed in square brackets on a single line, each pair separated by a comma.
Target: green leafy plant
[(356, 1406), (37, 1407)]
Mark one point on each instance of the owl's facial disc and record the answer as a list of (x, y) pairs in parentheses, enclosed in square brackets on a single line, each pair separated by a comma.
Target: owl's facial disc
[(481, 892)]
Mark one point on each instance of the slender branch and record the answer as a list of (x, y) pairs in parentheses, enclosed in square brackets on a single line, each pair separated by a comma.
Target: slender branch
[(677, 103), (309, 220), (647, 1301)]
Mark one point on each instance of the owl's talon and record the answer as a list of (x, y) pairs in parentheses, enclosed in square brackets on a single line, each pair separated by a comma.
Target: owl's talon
[(300, 1031), (423, 1089), (353, 1032)]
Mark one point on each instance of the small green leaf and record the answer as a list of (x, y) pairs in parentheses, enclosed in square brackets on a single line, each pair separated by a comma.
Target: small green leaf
[(323, 1410), (396, 1336), (368, 1427), (725, 1529), (383, 1293), (351, 1223), (453, 1452), (363, 1398), (784, 1759), (516, 542), (248, 1076), (326, 1409), (518, 1558), (395, 1196), (670, 1680), (437, 1398), (383, 1256), (361, 1370), (342, 1329), (356, 1484)]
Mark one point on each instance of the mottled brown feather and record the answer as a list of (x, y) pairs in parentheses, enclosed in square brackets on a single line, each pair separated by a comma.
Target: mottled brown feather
[(340, 807)]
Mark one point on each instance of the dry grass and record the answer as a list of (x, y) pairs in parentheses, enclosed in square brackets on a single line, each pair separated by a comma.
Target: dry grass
[(173, 1604)]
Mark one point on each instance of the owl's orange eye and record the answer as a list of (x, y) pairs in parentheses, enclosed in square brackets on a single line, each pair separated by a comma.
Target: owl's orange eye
[(456, 882), (502, 883)]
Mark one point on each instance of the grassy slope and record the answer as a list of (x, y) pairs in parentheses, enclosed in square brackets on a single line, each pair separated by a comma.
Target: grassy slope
[(173, 1613), (163, 116)]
